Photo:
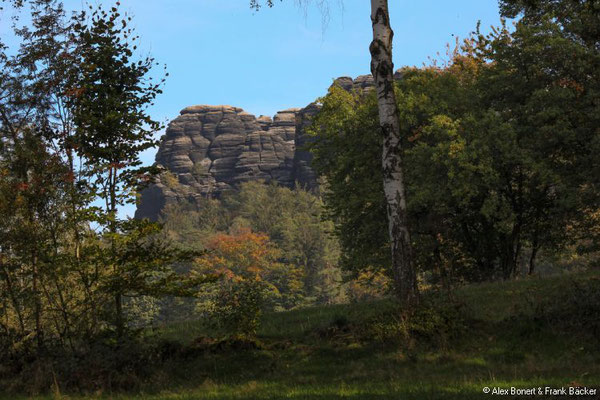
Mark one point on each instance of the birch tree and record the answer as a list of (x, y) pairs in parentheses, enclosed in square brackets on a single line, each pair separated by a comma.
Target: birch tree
[(382, 69)]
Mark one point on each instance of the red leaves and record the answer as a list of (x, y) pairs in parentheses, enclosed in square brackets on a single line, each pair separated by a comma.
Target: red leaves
[(70, 176), (566, 83), (75, 92), (118, 165)]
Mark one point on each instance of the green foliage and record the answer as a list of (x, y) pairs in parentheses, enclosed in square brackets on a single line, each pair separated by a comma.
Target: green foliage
[(575, 309), (346, 152), (191, 225), (437, 322), (546, 102), (145, 262), (73, 122), (111, 92), (294, 222), (501, 152), (238, 306), (369, 284), (502, 346), (579, 20), (499, 148), (170, 180)]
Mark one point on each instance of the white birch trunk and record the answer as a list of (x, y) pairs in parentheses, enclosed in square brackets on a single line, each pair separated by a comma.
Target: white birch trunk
[(382, 68)]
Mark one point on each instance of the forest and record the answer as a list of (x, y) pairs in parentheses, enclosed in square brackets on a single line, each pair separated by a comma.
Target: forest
[(452, 245)]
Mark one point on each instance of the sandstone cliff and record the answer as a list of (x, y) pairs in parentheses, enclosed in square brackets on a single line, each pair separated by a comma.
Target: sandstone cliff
[(210, 149)]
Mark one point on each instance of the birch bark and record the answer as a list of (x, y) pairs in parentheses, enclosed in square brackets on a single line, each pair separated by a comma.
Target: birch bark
[(382, 69)]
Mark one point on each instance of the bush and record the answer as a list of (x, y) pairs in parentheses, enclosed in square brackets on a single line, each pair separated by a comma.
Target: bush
[(369, 285), (103, 364), (237, 308), (576, 309), (434, 323)]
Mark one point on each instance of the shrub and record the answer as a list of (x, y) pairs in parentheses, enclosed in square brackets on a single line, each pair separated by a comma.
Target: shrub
[(433, 323), (237, 307), (576, 309), (370, 284)]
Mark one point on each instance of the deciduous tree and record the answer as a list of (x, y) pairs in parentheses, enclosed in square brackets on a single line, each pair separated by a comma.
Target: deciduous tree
[(111, 92)]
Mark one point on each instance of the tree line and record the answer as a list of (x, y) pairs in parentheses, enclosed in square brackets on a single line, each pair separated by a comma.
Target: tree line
[(500, 148)]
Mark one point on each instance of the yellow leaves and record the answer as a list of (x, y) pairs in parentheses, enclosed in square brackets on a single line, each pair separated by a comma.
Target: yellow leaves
[(369, 284), (443, 125), (465, 67), (456, 147), (444, 122)]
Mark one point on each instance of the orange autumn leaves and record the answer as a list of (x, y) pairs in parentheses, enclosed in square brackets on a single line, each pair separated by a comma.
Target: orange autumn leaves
[(245, 255)]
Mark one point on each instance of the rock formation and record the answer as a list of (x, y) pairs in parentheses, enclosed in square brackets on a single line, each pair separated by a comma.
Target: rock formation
[(210, 149)]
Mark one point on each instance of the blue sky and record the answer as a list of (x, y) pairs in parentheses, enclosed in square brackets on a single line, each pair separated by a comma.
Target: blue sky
[(221, 52)]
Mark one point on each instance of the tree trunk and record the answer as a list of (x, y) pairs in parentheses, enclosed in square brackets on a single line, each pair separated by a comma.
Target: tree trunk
[(14, 298), (37, 304), (112, 198), (534, 250), (382, 68)]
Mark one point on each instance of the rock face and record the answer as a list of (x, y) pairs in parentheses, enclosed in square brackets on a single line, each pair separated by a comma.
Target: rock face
[(211, 149)]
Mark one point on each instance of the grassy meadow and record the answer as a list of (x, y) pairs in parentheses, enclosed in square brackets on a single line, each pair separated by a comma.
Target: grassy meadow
[(526, 333)]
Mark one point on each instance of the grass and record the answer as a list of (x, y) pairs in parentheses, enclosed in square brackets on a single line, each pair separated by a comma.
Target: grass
[(508, 337)]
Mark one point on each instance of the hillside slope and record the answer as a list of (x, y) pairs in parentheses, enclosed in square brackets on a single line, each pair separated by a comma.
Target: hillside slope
[(526, 333)]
